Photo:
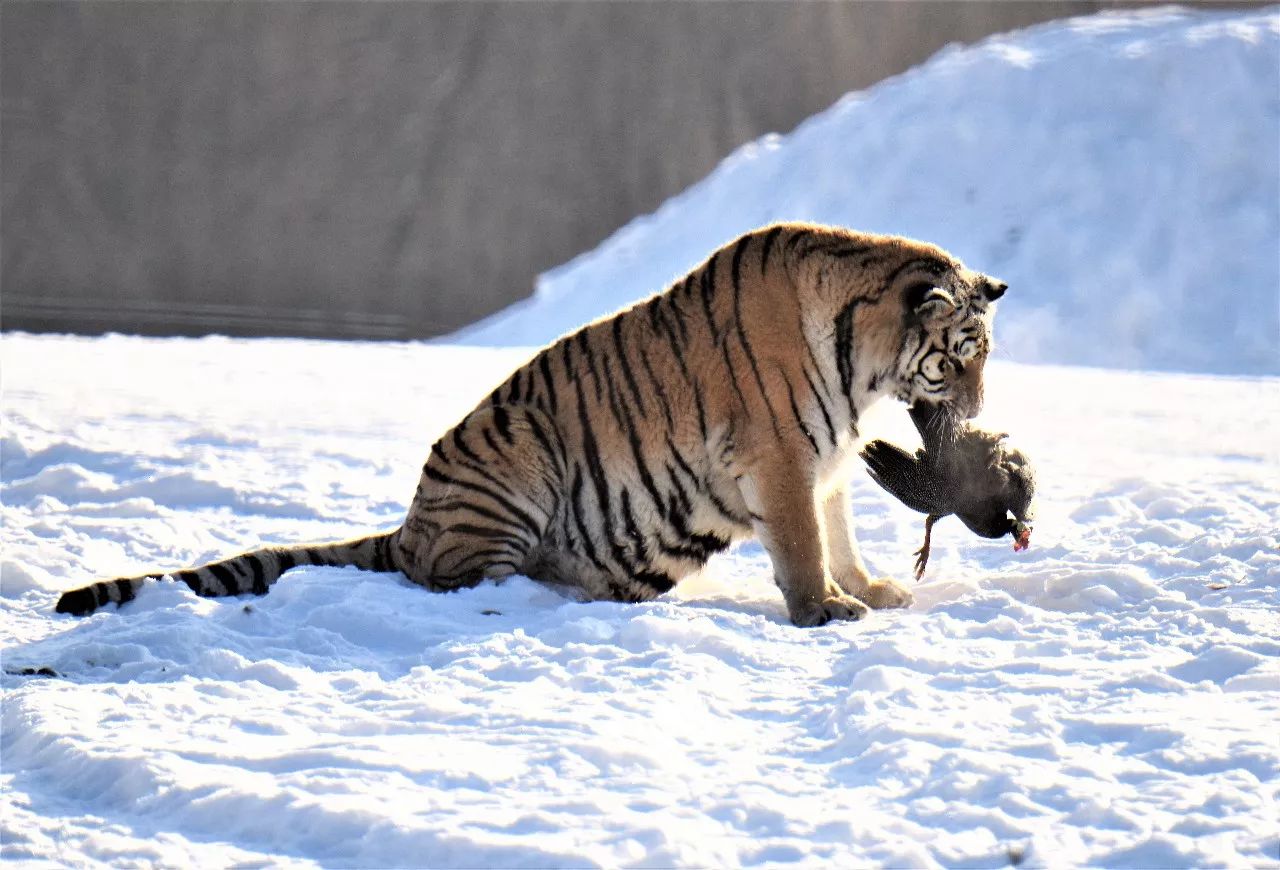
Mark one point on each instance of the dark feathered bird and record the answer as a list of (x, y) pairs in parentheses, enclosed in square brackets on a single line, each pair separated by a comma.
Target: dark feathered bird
[(961, 470)]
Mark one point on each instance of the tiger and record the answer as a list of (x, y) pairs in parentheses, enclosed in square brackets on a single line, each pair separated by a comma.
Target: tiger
[(619, 459)]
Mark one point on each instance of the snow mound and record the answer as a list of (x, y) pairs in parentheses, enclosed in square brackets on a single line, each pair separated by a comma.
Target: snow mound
[(1120, 171)]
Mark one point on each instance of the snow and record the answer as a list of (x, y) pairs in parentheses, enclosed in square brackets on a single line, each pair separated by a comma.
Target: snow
[(1108, 697), (1121, 172)]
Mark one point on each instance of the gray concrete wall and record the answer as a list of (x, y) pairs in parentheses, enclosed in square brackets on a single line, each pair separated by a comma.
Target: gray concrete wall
[(386, 169)]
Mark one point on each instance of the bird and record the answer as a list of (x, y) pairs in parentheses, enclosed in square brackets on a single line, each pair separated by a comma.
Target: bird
[(961, 469)]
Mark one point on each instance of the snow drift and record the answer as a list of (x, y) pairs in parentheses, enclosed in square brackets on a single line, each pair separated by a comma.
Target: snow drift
[(1119, 171)]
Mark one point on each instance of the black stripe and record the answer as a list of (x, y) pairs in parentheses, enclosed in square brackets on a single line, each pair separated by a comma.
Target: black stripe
[(680, 492), (658, 389), (678, 314), (612, 391), (633, 530), (724, 509), (124, 588), (479, 531), (286, 560), (676, 352), (627, 425), (652, 308), (381, 560), (503, 501), (696, 555), (192, 579), (408, 555), (493, 445), (596, 469), (259, 578), (437, 450), (225, 577), (462, 445), (795, 410), (502, 420), (566, 357), (708, 288), (702, 413), (733, 379), (487, 560), (844, 350), (557, 457), (660, 582), (575, 502), (822, 406), (932, 265), (637, 452), (100, 593), (464, 568), (522, 519), (544, 442), (695, 546), (746, 345), (848, 251), (684, 465), (479, 470), (513, 395), (769, 238), (796, 238), (625, 365), (544, 366), (736, 270), (584, 344), (822, 377)]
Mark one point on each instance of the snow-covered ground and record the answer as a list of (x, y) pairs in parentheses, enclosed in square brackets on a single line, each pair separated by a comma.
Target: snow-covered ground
[(1121, 172), (1109, 697)]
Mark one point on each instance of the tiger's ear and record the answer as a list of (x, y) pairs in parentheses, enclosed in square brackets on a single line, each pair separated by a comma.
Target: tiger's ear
[(993, 289), (927, 297)]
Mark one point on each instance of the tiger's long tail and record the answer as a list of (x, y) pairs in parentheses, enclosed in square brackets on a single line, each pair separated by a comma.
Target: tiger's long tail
[(253, 571)]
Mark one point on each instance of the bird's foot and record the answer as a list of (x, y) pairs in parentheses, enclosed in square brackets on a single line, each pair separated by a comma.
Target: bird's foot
[(922, 559), (922, 554)]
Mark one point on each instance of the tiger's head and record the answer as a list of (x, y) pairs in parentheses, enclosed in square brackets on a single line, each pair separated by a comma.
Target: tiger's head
[(947, 313)]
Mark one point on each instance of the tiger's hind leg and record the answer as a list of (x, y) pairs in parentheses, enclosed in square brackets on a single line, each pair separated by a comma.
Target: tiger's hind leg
[(488, 495)]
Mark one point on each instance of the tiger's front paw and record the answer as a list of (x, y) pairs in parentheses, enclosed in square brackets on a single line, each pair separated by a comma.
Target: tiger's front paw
[(885, 594), (834, 606)]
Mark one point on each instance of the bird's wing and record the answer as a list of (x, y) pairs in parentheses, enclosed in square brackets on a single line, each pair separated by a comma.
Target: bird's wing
[(905, 477)]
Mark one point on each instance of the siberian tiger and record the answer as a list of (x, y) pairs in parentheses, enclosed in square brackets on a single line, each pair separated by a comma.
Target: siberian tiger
[(620, 458)]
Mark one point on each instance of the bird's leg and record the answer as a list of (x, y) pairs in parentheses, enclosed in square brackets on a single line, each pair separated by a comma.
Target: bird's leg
[(922, 554)]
